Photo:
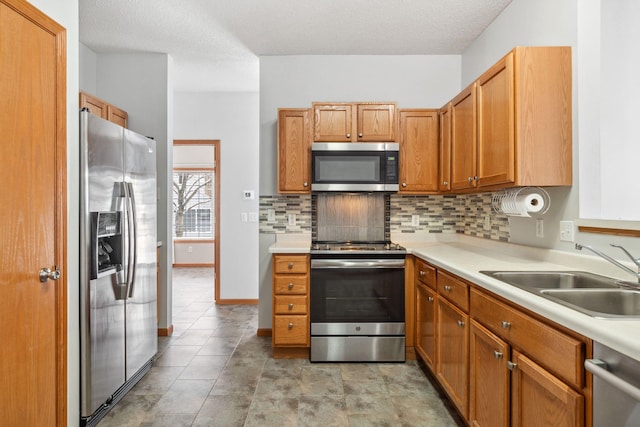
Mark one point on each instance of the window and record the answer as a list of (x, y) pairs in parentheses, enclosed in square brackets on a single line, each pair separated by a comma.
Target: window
[(193, 204)]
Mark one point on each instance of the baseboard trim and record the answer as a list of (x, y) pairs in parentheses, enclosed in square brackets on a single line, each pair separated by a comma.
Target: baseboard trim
[(264, 332), (193, 265), (237, 301), (290, 352), (165, 332)]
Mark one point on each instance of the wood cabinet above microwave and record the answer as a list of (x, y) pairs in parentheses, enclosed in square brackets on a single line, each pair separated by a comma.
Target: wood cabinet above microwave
[(354, 122)]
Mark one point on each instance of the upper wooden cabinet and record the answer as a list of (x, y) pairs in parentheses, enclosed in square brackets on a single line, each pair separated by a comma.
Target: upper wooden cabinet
[(103, 109), (354, 122), (294, 143), (512, 126), (444, 184), (418, 139)]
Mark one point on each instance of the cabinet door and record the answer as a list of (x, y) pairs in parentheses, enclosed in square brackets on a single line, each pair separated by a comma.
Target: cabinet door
[(463, 140), (496, 131), (332, 122), (426, 325), (294, 143), (452, 358), (95, 105), (418, 151), (445, 149), (489, 404), (376, 122), (539, 399), (117, 116)]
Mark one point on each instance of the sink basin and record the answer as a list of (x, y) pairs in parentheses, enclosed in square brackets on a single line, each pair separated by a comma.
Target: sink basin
[(598, 302), (536, 280)]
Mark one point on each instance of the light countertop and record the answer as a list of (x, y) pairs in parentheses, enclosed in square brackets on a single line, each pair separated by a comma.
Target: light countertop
[(466, 256)]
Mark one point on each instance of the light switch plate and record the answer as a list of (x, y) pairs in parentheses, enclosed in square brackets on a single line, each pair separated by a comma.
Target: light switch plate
[(539, 228), (415, 220), (567, 231), (271, 215), (292, 219)]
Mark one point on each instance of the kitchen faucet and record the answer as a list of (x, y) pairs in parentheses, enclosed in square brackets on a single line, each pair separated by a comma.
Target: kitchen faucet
[(636, 261)]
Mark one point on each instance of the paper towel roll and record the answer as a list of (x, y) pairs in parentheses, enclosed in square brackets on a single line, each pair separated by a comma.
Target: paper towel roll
[(522, 204)]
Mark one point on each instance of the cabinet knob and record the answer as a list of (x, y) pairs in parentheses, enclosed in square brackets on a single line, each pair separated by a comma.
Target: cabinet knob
[(290, 286), (470, 180), (505, 324), (348, 135), (497, 354), (511, 366), (430, 299), (404, 185), (422, 273), (475, 178), (461, 323), (290, 265), (290, 325), (360, 134), (447, 288), (445, 183), (290, 306), (305, 184)]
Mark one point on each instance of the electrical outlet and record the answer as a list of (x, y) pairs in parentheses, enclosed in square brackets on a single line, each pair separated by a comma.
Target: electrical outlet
[(244, 217), (566, 231), (292, 219), (415, 220), (190, 249), (487, 222), (271, 215), (539, 228), (253, 216)]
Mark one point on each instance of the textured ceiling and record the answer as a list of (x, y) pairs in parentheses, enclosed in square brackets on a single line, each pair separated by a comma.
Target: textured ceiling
[(216, 43)]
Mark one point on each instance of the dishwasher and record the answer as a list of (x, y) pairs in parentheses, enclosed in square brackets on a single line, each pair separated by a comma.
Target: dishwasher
[(616, 388)]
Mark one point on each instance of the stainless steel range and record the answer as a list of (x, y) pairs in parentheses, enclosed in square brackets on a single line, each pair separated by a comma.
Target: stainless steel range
[(357, 302)]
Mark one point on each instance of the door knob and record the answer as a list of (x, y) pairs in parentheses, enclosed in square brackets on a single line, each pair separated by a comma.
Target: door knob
[(48, 274)]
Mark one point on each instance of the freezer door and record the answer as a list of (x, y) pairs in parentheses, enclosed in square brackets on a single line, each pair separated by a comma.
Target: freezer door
[(140, 176), (102, 322)]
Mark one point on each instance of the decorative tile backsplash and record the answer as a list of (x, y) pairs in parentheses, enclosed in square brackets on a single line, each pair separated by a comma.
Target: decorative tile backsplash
[(461, 213)]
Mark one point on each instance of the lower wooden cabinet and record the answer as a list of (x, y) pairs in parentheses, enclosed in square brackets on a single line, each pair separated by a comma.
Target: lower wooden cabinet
[(290, 301), (425, 343)]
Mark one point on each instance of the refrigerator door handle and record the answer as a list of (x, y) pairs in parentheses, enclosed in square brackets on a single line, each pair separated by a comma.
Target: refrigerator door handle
[(133, 238)]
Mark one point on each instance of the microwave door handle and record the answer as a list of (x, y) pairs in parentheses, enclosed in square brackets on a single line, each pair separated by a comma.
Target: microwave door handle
[(133, 238)]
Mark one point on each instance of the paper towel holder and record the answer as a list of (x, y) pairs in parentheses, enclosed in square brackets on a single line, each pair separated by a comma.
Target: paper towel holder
[(510, 201)]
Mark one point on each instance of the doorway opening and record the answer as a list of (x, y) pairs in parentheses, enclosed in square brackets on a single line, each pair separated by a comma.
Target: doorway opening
[(196, 209)]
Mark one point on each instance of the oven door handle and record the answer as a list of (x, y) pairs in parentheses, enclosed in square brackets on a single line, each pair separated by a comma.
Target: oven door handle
[(599, 368), (356, 263)]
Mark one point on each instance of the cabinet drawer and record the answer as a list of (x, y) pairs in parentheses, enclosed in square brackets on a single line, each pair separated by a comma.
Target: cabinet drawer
[(291, 330), (556, 351), (454, 290), (425, 273), (291, 285), (290, 264), (285, 304)]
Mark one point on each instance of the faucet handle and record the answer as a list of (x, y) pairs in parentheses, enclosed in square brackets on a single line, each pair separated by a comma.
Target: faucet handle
[(636, 261)]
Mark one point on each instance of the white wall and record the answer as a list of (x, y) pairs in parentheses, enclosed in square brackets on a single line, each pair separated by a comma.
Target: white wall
[(231, 117), (65, 12), (297, 81), (140, 83)]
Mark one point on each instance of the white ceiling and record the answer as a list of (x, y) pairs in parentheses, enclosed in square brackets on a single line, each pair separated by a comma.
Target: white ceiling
[(216, 43)]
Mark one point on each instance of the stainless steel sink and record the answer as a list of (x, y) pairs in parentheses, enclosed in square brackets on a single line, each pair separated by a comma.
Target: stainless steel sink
[(598, 302), (553, 279), (592, 294)]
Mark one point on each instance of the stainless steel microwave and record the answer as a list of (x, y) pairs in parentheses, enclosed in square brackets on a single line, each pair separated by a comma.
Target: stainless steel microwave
[(352, 166)]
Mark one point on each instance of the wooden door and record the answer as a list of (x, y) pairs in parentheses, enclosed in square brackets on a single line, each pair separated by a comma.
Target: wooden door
[(496, 124), (489, 404), (445, 149), (32, 217), (332, 122), (453, 353), (463, 139), (539, 399), (376, 122), (294, 145), (418, 141), (426, 325)]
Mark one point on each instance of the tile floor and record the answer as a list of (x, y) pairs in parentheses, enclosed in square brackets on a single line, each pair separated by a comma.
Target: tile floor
[(215, 371)]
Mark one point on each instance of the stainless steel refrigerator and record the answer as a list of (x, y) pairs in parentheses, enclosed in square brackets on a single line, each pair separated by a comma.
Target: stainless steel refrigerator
[(118, 326)]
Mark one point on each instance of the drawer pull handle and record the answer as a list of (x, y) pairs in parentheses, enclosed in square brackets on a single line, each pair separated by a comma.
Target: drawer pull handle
[(422, 273), (511, 366), (430, 299), (290, 265), (497, 354), (290, 325), (290, 306), (461, 323), (447, 288), (290, 286), (505, 324)]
